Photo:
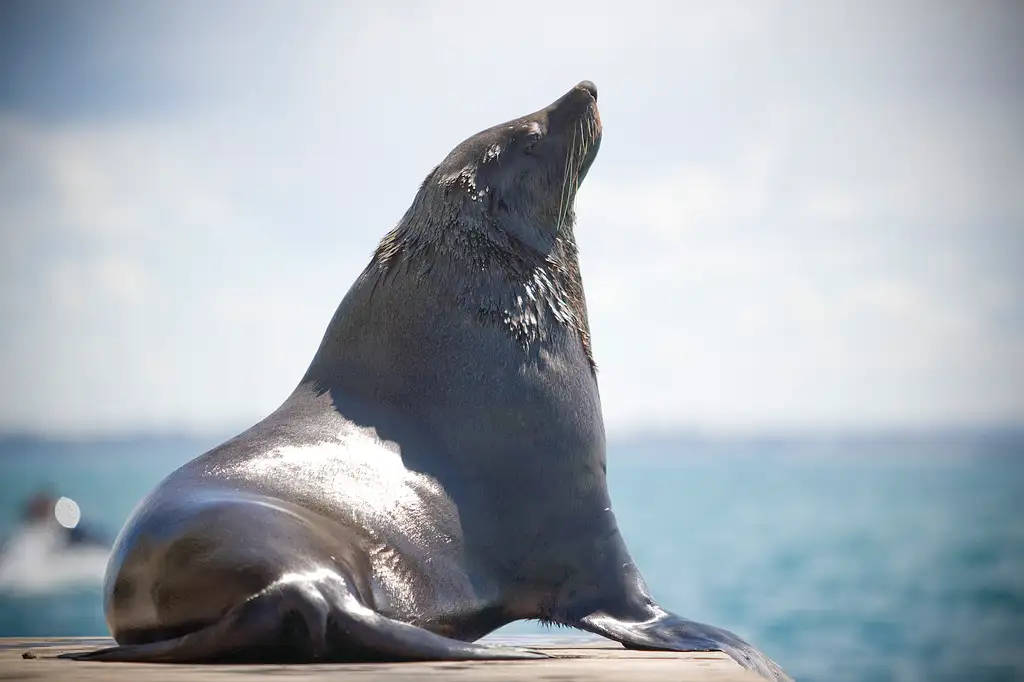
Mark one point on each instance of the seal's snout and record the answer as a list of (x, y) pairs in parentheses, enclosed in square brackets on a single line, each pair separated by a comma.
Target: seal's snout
[(580, 101), (589, 87)]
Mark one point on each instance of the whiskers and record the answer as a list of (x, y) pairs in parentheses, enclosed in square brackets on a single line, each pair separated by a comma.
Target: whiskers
[(584, 134)]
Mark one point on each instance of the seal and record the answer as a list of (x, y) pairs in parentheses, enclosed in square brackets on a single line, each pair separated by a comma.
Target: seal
[(438, 472)]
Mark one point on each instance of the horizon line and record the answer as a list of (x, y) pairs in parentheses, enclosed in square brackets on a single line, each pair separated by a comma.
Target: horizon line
[(652, 431)]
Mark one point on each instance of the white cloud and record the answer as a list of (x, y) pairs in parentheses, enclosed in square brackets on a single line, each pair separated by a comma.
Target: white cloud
[(140, 292), (799, 215), (756, 292)]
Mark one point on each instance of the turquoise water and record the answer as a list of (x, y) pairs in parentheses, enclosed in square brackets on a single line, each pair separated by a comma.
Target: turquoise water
[(888, 558)]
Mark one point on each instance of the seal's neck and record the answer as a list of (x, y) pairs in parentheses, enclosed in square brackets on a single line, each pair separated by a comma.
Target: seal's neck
[(493, 275)]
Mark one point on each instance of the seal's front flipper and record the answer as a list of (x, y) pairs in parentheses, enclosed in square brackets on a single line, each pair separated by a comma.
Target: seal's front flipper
[(305, 620), (669, 632)]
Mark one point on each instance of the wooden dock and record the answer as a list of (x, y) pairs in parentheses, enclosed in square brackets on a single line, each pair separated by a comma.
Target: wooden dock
[(593, 661)]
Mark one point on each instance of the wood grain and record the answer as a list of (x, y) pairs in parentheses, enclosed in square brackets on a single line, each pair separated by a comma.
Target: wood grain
[(573, 660)]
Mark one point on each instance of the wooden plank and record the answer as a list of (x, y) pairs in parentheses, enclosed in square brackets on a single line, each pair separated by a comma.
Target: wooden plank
[(594, 661)]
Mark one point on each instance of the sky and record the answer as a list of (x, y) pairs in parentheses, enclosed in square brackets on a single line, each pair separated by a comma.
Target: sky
[(803, 215)]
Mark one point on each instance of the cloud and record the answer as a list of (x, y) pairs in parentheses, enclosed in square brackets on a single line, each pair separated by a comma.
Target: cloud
[(800, 215), (133, 279), (814, 277)]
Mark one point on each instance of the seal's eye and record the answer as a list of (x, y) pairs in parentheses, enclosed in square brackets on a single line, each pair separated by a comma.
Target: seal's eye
[(530, 141)]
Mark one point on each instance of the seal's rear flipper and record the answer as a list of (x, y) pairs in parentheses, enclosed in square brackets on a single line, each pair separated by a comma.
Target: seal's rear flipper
[(305, 620), (669, 632)]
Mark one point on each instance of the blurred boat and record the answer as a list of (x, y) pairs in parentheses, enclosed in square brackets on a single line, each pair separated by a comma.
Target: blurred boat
[(51, 550)]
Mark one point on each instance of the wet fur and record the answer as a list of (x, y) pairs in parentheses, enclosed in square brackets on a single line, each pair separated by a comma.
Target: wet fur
[(438, 472), (483, 218)]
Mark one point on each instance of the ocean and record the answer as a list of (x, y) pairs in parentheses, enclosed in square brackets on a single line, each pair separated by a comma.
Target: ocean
[(846, 559)]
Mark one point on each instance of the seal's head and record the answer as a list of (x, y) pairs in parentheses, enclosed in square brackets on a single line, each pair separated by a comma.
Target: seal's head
[(521, 177), (491, 226)]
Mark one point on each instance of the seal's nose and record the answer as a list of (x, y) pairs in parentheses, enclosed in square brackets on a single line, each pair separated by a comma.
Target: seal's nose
[(580, 100), (589, 87)]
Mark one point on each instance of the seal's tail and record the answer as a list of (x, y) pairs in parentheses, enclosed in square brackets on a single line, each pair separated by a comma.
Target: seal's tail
[(304, 622)]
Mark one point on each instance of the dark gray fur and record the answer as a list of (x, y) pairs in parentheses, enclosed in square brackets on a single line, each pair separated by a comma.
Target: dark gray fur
[(440, 469)]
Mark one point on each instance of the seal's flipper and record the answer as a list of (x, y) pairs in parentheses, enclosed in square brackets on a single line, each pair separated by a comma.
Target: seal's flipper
[(669, 632), (305, 620)]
